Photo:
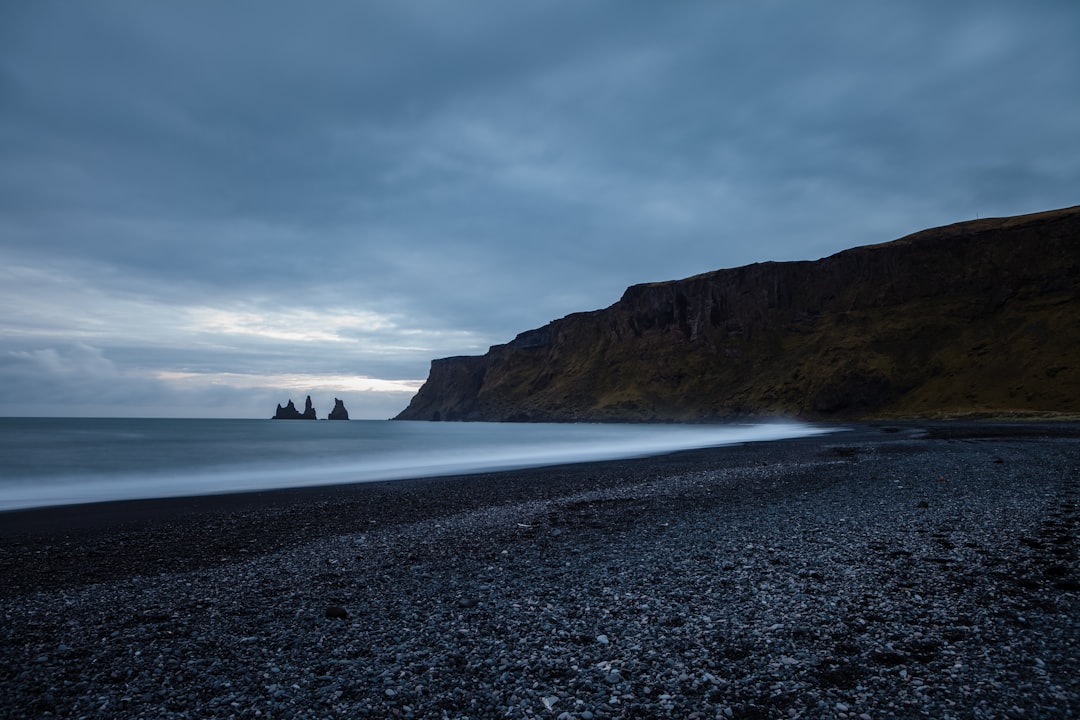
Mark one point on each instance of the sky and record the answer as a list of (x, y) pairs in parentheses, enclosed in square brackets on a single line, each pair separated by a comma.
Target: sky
[(208, 208)]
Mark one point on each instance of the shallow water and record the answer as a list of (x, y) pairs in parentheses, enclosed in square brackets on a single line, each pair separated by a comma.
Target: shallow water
[(60, 461)]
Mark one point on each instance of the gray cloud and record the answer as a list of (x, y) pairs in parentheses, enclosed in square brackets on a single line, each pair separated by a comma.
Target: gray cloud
[(81, 380), (458, 173)]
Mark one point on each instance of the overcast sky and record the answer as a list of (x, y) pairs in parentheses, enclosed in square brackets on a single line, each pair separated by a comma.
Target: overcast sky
[(209, 207)]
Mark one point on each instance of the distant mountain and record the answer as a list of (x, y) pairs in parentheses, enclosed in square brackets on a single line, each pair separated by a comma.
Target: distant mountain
[(979, 317)]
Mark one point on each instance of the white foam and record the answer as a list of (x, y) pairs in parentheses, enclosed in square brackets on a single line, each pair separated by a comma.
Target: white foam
[(470, 448)]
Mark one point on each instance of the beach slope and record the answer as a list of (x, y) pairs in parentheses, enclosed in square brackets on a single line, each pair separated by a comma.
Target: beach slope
[(885, 571)]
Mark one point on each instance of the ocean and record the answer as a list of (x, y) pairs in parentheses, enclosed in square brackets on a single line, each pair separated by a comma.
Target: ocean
[(64, 461)]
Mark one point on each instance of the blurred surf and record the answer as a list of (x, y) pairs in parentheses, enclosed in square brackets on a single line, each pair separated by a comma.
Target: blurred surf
[(62, 461)]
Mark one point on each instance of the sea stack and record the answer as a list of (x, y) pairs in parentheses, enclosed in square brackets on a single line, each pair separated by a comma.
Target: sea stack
[(339, 412), (289, 412)]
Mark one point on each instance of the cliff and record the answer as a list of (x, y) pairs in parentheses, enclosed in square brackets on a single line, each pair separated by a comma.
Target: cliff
[(979, 317)]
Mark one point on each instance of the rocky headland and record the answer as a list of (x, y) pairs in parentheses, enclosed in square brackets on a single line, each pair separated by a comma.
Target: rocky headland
[(975, 318)]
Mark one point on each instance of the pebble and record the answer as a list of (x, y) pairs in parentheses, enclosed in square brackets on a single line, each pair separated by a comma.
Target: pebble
[(816, 618)]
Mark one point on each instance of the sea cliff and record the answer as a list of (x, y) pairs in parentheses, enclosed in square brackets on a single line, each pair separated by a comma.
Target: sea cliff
[(974, 318)]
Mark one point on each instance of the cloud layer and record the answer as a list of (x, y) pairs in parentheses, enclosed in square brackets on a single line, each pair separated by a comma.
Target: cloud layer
[(269, 191)]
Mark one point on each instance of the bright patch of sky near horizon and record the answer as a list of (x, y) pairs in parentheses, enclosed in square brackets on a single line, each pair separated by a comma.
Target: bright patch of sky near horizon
[(206, 208)]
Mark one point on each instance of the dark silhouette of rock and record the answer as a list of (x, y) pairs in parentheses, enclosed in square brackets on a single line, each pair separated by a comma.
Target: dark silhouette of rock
[(974, 318), (339, 412), (289, 412)]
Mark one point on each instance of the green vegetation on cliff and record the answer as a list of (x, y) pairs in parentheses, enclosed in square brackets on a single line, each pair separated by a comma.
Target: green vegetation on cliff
[(975, 318)]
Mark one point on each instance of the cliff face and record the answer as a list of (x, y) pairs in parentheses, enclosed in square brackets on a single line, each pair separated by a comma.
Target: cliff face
[(976, 317)]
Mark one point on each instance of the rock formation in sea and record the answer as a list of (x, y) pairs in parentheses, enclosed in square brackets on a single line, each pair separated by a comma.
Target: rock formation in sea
[(289, 412), (974, 318), (339, 412)]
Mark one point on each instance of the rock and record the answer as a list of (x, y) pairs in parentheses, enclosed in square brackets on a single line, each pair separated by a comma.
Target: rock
[(289, 412), (339, 412), (468, 602), (888, 657), (336, 612)]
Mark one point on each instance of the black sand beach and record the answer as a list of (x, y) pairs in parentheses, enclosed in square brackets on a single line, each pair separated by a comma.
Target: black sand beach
[(907, 570)]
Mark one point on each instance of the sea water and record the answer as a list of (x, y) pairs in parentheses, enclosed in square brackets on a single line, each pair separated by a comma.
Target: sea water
[(62, 461)]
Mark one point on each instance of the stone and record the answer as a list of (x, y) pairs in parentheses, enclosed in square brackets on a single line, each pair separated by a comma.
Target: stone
[(337, 613), (339, 412), (289, 412)]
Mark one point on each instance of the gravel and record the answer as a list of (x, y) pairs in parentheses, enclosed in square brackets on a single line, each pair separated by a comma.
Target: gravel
[(884, 572)]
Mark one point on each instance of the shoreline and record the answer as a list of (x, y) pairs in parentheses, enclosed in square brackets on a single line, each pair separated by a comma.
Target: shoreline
[(57, 520), (894, 570), (57, 463), (205, 530)]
